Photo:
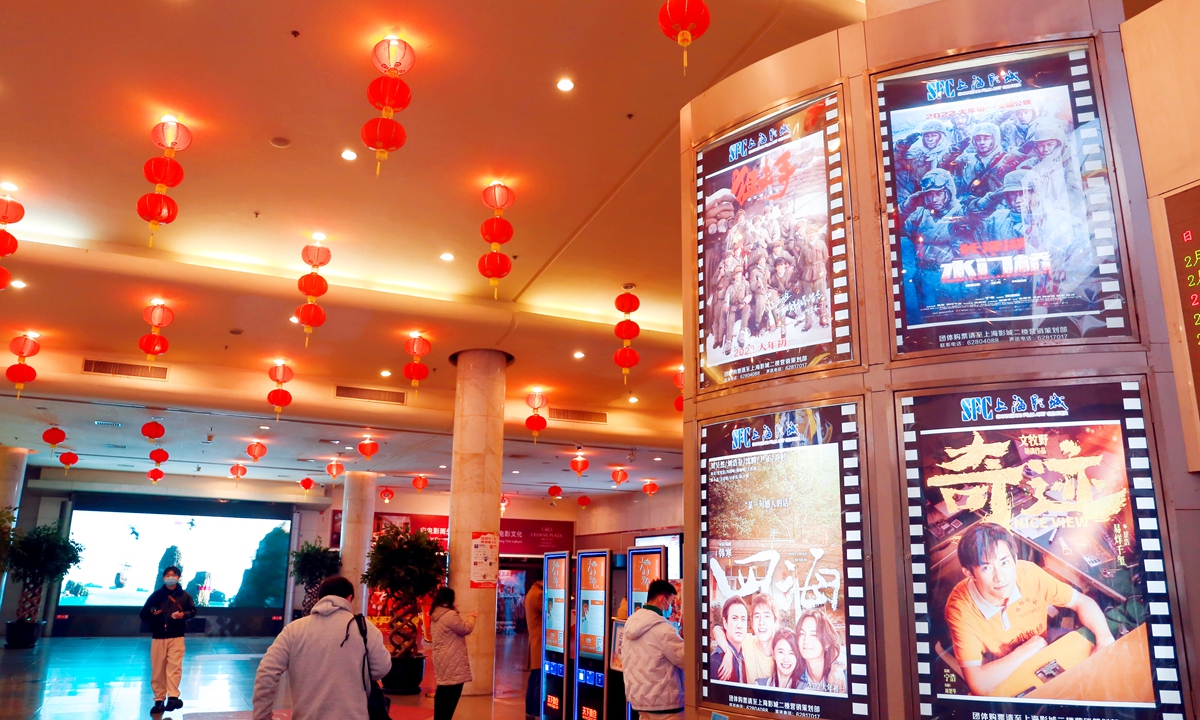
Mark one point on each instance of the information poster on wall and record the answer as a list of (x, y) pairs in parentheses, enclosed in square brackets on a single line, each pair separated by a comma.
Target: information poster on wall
[(1000, 210), (774, 259), (593, 598), (783, 621), (1183, 221), (485, 559), (1038, 576), (618, 645)]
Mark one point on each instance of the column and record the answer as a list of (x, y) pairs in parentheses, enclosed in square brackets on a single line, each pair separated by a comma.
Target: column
[(475, 478), (358, 522), (875, 8), (12, 479)]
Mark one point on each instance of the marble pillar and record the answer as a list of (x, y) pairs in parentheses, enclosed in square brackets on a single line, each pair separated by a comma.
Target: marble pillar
[(12, 479), (475, 477), (358, 522), (875, 8)]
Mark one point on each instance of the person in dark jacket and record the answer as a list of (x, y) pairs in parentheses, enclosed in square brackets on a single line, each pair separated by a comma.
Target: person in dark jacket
[(167, 611)]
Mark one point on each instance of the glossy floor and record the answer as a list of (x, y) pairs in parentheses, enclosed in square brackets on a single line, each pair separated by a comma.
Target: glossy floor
[(103, 678)]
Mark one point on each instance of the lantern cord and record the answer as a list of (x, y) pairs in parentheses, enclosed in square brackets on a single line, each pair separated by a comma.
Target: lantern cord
[(151, 240), (685, 62), (378, 165), (496, 293)]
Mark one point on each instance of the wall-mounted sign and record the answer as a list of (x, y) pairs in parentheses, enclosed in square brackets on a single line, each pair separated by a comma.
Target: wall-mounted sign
[(518, 536), (485, 559), (1001, 224), (1183, 221), (555, 599)]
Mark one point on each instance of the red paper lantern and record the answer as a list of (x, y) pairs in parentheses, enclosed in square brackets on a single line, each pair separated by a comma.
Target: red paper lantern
[(11, 211), (5, 278), (627, 302), (416, 372), (389, 94), (312, 285), (335, 468), (68, 459), (171, 136), (619, 476), (368, 448), (383, 135), (536, 400), (153, 345), (159, 456), (8, 243), (679, 379), (579, 464), (310, 315), (158, 316), (494, 266), (163, 171), (153, 430), (496, 230), (393, 56), (280, 374), (555, 492), (238, 471), (627, 330), (20, 374), (584, 501), (155, 475), (683, 21), (54, 436), (387, 494), (307, 484), (679, 403), (420, 482), (625, 358), (650, 488), (417, 346), (24, 346), (279, 399), (256, 450), (499, 197), (157, 209), (316, 255), (535, 423)]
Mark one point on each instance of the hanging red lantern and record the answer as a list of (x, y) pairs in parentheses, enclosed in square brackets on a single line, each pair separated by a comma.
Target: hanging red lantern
[(579, 464), (24, 347), (494, 266), (535, 424), (20, 375), (238, 471), (155, 475), (8, 243), (679, 403), (555, 492), (417, 346), (256, 450), (312, 285), (280, 373), (420, 482), (159, 456), (279, 398), (387, 494), (584, 501), (307, 484), (153, 345), (626, 330), (626, 358), (389, 94), (619, 476), (393, 56), (416, 372), (383, 135), (68, 459), (499, 197), (165, 172), (315, 255), (679, 380), (310, 315), (11, 211), (54, 437), (158, 316), (650, 488), (683, 21), (5, 278), (171, 136), (496, 230), (627, 303), (368, 448), (153, 430), (334, 469)]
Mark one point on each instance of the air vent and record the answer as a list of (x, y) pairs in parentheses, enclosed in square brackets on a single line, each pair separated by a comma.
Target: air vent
[(583, 416), (311, 460), (330, 442), (119, 369), (357, 393), (107, 423)]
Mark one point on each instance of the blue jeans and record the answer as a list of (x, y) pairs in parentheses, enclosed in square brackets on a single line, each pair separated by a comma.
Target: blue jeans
[(533, 694)]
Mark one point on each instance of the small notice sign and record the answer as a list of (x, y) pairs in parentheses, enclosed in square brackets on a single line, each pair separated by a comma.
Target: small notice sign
[(485, 559)]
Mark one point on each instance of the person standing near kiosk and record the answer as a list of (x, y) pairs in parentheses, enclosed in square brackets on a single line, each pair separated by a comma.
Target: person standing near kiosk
[(652, 656)]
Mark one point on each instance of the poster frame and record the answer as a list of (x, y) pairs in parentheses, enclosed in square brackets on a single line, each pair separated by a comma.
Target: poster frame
[(902, 397), (853, 356), (607, 640), (875, 679), (1129, 265)]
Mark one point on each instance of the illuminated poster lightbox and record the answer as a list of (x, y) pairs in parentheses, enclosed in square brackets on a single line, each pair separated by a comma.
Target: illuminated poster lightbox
[(783, 598), (645, 565), (774, 267), (555, 599), (1038, 577), (1001, 220), (591, 613)]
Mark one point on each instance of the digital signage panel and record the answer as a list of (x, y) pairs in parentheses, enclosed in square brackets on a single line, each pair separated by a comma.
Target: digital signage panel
[(591, 613), (1038, 574), (783, 599), (1001, 220), (646, 564), (1183, 222), (774, 259), (555, 570)]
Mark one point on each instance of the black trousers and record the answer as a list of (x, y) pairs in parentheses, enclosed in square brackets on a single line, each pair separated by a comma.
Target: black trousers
[(445, 700), (533, 694)]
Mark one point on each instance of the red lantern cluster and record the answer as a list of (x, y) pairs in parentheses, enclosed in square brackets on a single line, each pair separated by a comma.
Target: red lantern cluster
[(387, 494), (164, 172), (496, 231), (579, 464), (279, 398), (683, 21), (54, 436), (256, 450), (626, 357), (393, 57), (368, 447), (21, 373), (536, 423), (418, 347), (158, 315), (11, 211), (679, 377), (312, 286), (420, 482)]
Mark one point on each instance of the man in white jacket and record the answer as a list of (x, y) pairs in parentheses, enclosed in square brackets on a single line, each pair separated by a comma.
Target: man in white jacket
[(326, 659), (652, 656)]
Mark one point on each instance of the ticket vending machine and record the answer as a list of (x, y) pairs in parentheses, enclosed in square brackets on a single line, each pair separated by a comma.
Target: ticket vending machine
[(592, 593), (645, 565), (556, 571)]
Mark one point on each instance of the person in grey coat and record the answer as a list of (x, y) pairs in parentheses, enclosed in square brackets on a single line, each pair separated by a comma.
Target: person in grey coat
[(451, 664)]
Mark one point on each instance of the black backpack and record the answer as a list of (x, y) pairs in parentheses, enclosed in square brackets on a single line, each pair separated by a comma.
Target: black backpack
[(378, 704)]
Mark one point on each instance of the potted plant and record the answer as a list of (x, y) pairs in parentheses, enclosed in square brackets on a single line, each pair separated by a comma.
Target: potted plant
[(311, 564), (404, 566), (37, 557)]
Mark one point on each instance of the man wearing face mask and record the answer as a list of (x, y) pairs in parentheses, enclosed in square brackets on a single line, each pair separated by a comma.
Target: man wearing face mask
[(652, 655), (167, 611)]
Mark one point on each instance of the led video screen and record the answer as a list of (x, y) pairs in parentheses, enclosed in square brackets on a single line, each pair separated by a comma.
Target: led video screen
[(1038, 575), (773, 277), (593, 604), (783, 626), (226, 561), (1002, 225)]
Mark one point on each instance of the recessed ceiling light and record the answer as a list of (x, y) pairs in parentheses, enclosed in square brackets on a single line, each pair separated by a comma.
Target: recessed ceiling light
[(386, 373), (10, 187), (318, 236), (516, 472), (18, 284), (566, 85), (264, 427), (158, 301), (349, 155), (443, 467), (293, 319), (33, 334), (447, 256), (415, 334), (633, 398), (578, 355), (657, 459), (537, 389), (612, 486), (280, 362)]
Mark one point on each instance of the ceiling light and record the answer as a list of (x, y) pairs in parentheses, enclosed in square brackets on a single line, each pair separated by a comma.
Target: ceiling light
[(33, 334), (264, 427), (168, 118), (443, 467), (349, 155), (447, 256), (386, 373), (516, 472), (612, 486), (415, 334), (680, 368), (280, 361), (158, 301), (578, 354), (10, 187), (633, 398), (318, 236), (537, 389), (657, 459), (18, 284), (566, 85), (293, 319)]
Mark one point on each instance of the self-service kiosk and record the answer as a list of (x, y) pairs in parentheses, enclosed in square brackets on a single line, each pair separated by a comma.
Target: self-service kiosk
[(645, 565), (556, 571), (592, 593)]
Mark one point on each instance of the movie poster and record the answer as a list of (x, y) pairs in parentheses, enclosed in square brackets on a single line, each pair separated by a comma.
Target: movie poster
[(1038, 573), (1001, 220), (510, 601), (771, 241), (783, 626)]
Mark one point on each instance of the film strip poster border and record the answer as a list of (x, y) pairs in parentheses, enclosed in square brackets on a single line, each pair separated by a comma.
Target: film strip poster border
[(1102, 225), (1168, 691), (858, 654), (839, 267)]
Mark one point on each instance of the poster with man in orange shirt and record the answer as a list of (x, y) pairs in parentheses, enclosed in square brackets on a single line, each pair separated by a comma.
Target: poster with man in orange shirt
[(1038, 577)]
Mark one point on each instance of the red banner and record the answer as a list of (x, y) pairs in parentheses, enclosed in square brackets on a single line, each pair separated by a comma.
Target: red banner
[(517, 536)]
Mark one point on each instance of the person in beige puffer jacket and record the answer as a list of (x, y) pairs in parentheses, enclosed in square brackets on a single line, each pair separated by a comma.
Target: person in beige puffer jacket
[(451, 664)]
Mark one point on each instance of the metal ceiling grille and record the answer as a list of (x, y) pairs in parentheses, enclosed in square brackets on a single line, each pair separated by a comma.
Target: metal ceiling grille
[(120, 369), (357, 393), (582, 416)]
